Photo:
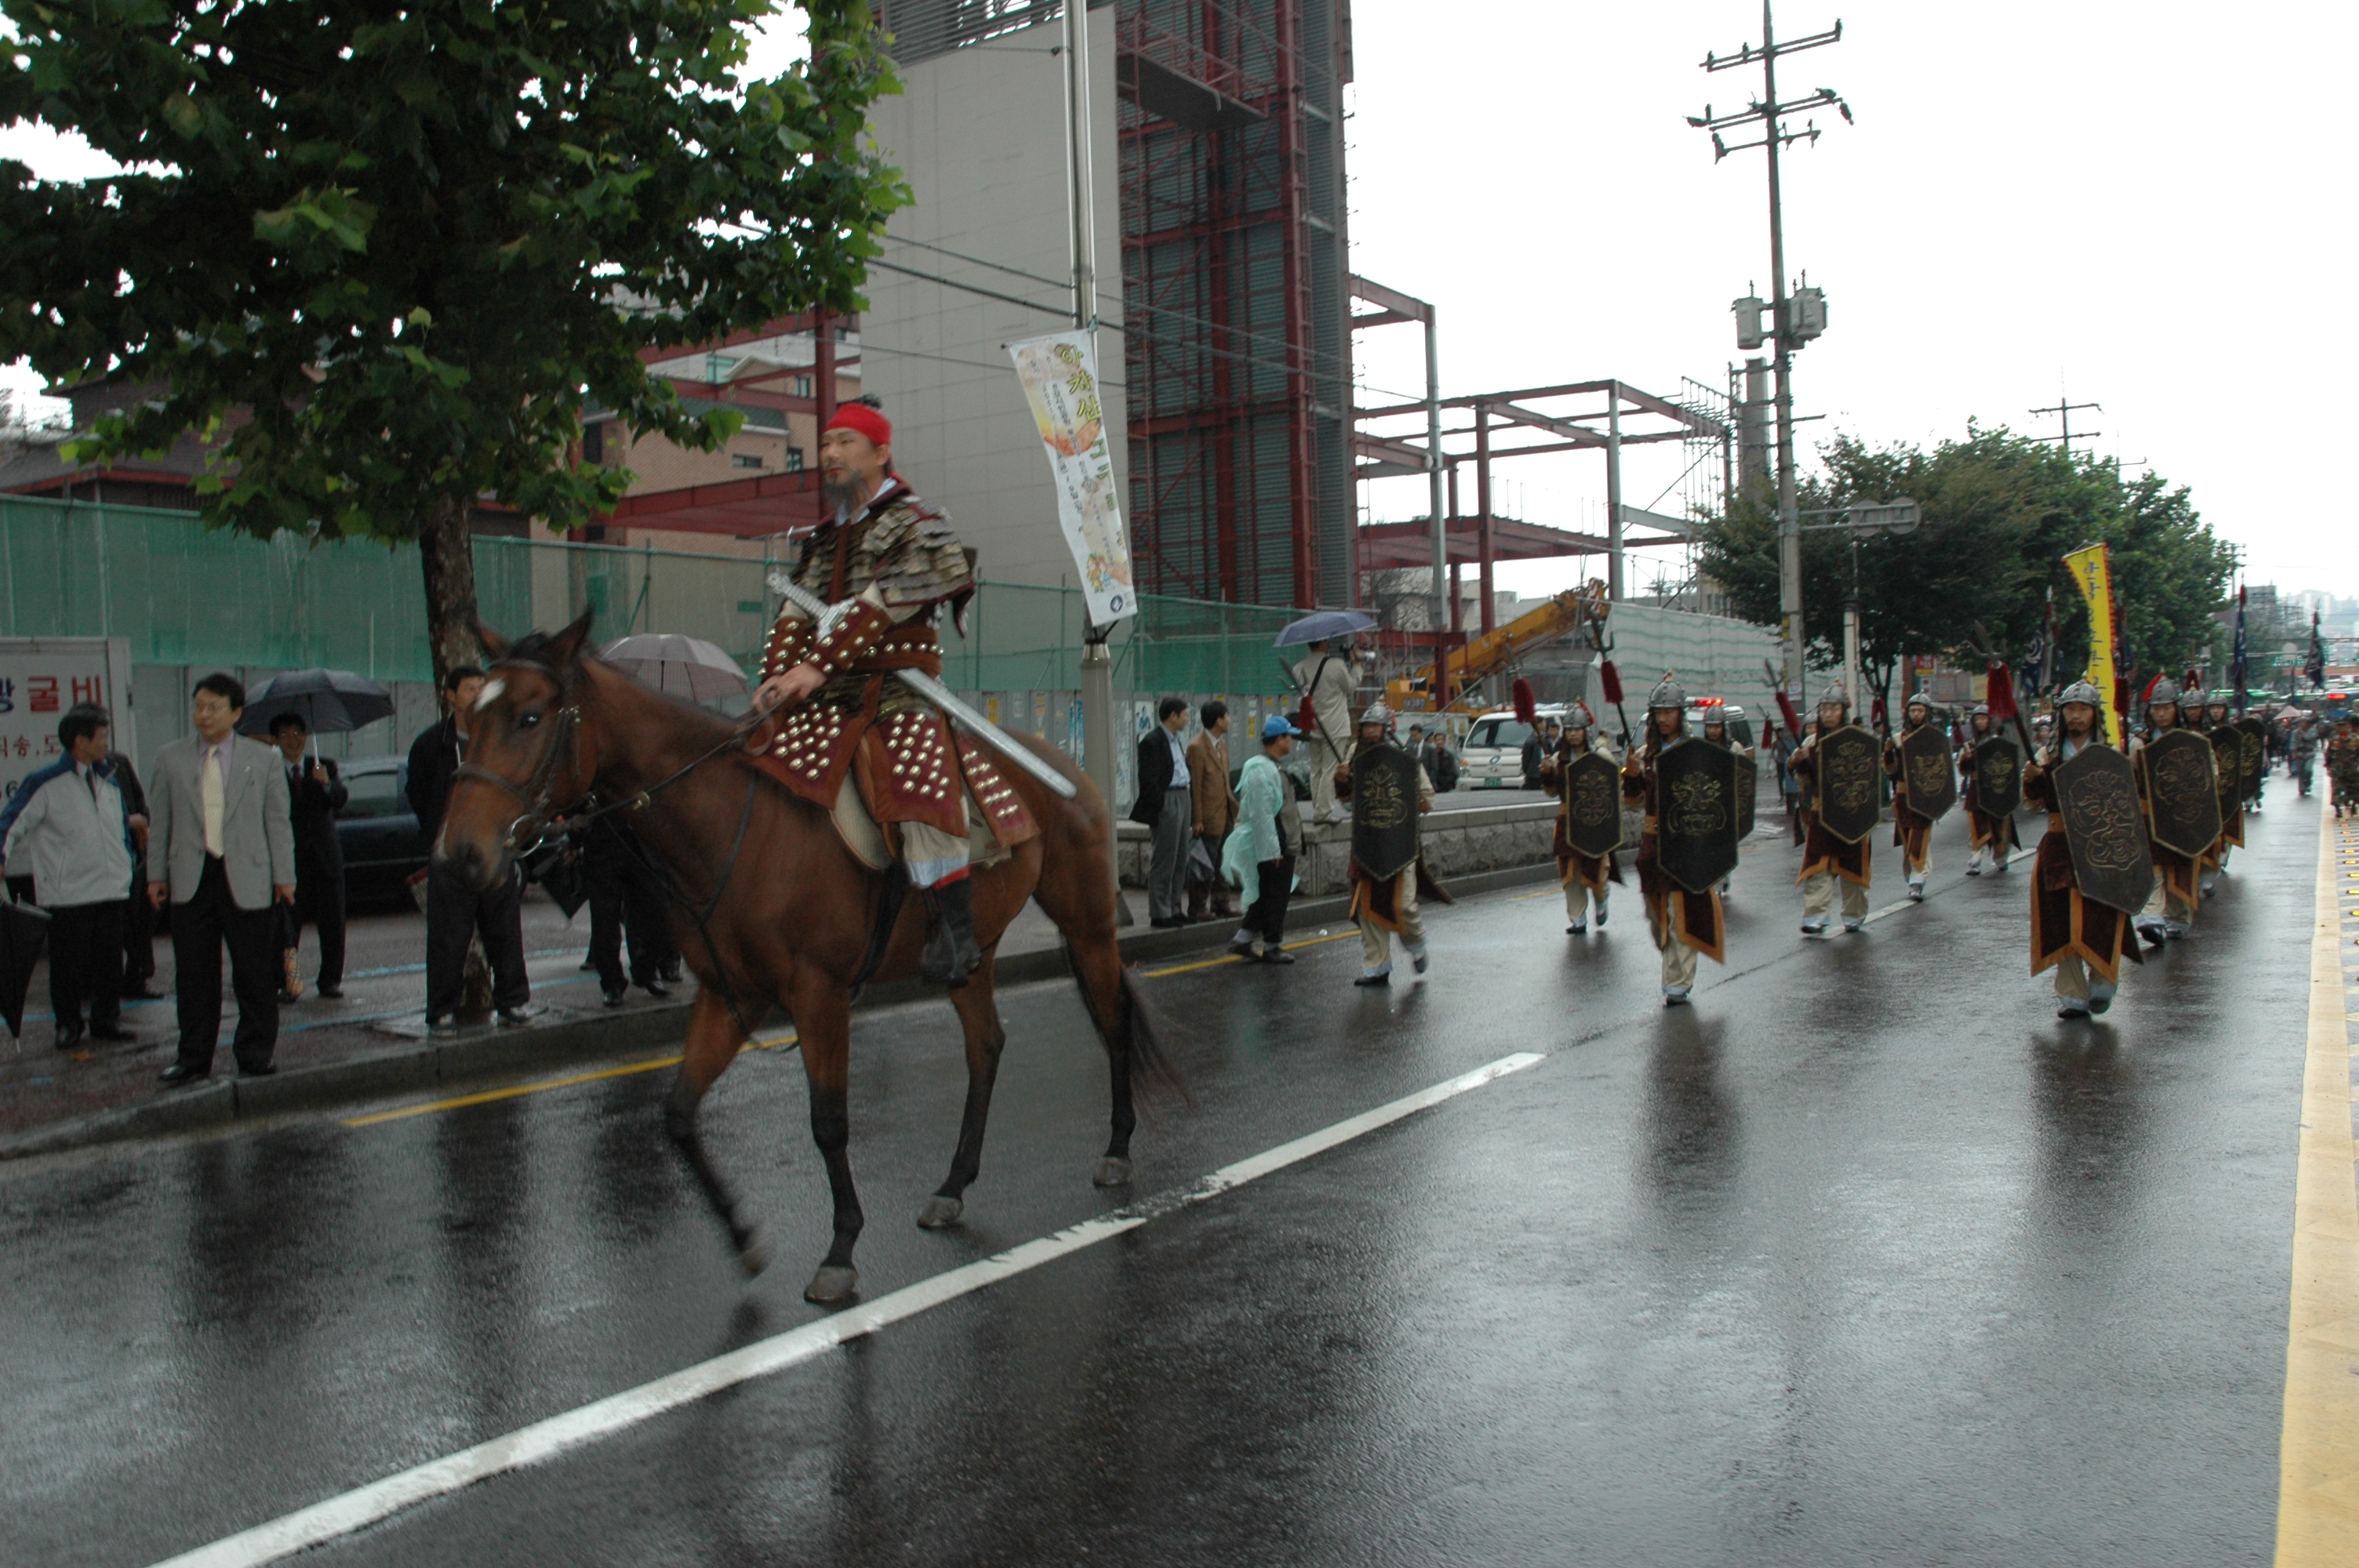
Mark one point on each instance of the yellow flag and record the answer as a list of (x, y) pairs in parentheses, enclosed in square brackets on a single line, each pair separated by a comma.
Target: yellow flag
[(2092, 569)]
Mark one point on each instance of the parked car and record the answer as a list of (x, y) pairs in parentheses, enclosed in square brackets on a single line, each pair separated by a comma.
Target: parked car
[(1493, 757), (376, 829)]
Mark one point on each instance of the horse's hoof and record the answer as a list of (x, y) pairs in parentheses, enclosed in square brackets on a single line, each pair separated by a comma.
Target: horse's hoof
[(832, 1285), (753, 1253), (940, 1213), (1111, 1172)]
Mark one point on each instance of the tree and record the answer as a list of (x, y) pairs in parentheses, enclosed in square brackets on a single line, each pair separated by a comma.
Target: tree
[(2000, 512), (383, 253)]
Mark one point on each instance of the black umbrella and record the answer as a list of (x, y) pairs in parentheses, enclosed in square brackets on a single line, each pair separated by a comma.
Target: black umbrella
[(23, 933), (328, 702)]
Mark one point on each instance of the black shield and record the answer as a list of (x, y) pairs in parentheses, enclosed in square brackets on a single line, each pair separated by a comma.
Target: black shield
[(1695, 814), (1748, 781), (1998, 786), (2252, 754), (1850, 783), (2228, 755), (2181, 792), (1384, 811), (1929, 770), (1593, 805), (2096, 795)]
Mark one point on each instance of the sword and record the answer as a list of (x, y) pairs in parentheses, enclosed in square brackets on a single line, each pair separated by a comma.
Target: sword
[(827, 615)]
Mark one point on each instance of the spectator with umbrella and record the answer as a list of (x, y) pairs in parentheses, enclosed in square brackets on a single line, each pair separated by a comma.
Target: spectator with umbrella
[(292, 709), (1327, 680)]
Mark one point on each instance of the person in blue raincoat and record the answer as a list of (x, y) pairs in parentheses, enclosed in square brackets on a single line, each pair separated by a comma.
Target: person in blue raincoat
[(1258, 860)]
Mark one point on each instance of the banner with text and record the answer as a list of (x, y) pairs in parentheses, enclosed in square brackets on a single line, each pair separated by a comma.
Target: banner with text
[(2092, 569), (41, 677), (1059, 372)]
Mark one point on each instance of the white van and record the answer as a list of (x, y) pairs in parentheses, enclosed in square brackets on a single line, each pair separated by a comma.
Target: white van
[(1493, 757)]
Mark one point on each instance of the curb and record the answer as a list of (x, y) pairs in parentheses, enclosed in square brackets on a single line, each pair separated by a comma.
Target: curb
[(412, 1068)]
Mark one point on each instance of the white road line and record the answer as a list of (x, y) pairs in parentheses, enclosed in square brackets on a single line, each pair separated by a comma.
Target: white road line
[(340, 1516)]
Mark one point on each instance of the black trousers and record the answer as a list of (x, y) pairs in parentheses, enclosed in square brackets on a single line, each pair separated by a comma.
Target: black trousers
[(138, 933), (320, 898), (86, 963), (1267, 918), (201, 927), (455, 912), (624, 900)]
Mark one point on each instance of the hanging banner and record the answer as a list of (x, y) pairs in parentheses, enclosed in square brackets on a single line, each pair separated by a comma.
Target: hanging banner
[(2092, 569), (1059, 372)]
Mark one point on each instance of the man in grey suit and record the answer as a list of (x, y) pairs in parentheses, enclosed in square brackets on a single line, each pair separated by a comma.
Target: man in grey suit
[(220, 844)]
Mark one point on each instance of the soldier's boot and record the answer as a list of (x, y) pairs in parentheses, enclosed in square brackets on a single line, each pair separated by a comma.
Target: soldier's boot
[(951, 952)]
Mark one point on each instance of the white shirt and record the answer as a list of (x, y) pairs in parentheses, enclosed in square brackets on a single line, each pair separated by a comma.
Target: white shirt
[(212, 783), (1179, 759)]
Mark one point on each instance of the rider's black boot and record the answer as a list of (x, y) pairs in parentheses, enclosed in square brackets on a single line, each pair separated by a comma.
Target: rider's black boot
[(952, 953)]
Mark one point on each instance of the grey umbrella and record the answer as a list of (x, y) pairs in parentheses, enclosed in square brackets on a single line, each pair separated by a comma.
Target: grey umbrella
[(1322, 624), (328, 702), (683, 666)]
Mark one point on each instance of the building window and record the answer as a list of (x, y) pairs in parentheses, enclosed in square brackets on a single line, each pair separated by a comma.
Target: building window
[(802, 384), (794, 460), (593, 444), (746, 459)]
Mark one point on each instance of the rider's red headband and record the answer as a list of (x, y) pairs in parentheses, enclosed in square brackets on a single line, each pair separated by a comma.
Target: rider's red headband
[(861, 418)]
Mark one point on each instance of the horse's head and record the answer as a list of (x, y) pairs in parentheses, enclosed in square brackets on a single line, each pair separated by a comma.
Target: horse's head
[(524, 761)]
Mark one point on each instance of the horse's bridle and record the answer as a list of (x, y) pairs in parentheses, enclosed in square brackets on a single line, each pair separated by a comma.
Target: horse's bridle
[(536, 793)]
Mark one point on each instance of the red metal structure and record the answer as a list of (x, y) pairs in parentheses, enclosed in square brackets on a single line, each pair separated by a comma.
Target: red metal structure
[(1236, 333)]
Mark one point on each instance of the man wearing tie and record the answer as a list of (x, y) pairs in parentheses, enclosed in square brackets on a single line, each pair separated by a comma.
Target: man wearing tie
[(317, 793), (221, 845)]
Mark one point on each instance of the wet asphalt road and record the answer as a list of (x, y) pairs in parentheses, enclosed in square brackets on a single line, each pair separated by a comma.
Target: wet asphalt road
[(1865, 1257)]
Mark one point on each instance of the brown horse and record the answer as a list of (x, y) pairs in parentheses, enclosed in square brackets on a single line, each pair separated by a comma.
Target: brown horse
[(771, 909)]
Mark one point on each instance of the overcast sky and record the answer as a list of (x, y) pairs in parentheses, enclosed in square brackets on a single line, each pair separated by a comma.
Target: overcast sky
[(2147, 205)]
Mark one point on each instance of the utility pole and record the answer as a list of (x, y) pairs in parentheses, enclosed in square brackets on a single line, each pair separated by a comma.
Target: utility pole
[(1097, 663), (2063, 408), (1792, 328)]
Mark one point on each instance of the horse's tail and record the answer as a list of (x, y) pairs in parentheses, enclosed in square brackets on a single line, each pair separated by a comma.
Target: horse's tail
[(1130, 1025)]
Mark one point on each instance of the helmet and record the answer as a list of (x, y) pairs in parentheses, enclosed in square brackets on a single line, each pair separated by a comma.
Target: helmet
[(1920, 697), (1669, 694), (2080, 691), (2165, 690), (1731, 710), (2222, 699), (1980, 710), (1377, 713), (1835, 695)]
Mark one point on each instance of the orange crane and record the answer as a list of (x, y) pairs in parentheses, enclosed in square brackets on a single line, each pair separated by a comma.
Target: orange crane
[(1576, 611)]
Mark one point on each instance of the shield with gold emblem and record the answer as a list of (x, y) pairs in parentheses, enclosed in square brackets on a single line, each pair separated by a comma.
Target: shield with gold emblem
[(1929, 770), (2096, 795), (1850, 797), (1696, 814), (1384, 811), (2182, 793), (1593, 805), (1998, 785)]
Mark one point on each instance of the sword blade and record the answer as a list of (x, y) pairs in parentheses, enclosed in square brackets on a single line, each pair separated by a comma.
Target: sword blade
[(943, 697)]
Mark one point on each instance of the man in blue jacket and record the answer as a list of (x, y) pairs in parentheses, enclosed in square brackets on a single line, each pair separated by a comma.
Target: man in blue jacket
[(70, 820)]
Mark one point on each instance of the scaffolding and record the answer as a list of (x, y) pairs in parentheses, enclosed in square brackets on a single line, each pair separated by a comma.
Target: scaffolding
[(1237, 344)]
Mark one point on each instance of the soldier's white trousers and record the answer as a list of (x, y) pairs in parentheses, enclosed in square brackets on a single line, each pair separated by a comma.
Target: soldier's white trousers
[(1576, 898), (1818, 896), (1376, 943), (1679, 963), (2073, 982)]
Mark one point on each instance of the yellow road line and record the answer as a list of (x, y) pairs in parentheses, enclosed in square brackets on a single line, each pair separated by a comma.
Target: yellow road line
[(2318, 1482), (1232, 958), (514, 1091)]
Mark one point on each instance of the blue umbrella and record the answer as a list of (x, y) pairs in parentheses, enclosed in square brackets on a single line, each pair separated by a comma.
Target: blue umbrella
[(1326, 623)]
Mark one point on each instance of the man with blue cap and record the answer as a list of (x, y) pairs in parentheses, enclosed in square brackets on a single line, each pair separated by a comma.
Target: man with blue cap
[(1258, 860)]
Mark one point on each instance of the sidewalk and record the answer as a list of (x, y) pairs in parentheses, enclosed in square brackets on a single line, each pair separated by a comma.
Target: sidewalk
[(372, 1043)]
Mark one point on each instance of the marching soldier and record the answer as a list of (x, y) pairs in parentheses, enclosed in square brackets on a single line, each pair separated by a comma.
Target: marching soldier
[(1683, 924), (2342, 768), (1992, 835), (1912, 830), (1716, 722), (1389, 792), (1827, 859), (1584, 876), (2216, 711), (2171, 907), (2083, 940)]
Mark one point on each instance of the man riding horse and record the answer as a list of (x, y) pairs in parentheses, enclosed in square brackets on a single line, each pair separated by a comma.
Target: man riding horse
[(885, 562)]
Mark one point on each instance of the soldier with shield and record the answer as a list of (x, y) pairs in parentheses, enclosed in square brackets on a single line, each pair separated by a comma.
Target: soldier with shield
[(1686, 791), (1717, 721), (1923, 787), (2093, 868), (1388, 790), (2342, 768), (1582, 775), (1841, 807), (2228, 757), (1991, 764), (2180, 795)]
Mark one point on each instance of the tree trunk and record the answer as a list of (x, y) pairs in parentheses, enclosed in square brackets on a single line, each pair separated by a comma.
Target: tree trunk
[(446, 550)]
